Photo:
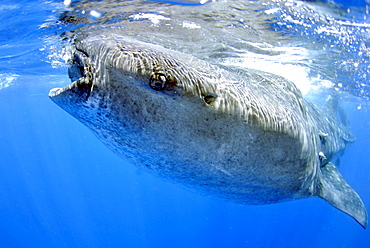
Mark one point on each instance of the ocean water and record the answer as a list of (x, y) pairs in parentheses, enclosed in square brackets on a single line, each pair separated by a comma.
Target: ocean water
[(60, 187)]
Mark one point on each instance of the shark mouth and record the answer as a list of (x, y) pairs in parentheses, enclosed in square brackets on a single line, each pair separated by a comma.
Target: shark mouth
[(80, 74)]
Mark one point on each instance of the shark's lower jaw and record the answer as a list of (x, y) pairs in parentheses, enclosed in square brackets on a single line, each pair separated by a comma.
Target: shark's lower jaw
[(80, 87), (55, 91)]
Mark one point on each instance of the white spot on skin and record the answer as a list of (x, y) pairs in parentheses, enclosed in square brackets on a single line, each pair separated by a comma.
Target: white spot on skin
[(154, 18), (67, 2), (95, 14), (190, 25)]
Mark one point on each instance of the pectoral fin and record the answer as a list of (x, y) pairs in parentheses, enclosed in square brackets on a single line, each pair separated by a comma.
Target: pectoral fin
[(335, 190)]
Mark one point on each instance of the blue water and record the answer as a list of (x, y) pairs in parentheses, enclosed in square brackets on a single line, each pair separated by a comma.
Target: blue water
[(60, 187)]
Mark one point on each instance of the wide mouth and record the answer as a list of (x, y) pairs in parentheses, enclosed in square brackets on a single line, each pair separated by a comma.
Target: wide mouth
[(59, 90), (80, 75)]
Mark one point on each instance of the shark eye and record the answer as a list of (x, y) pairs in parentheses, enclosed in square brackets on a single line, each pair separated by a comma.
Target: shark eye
[(158, 82), (209, 98)]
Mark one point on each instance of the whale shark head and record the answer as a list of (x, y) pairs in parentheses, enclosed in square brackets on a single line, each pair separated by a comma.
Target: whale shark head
[(115, 68), (112, 61), (95, 58)]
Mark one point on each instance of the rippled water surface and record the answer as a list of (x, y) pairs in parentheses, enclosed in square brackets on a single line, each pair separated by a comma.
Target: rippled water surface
[(59, 187)]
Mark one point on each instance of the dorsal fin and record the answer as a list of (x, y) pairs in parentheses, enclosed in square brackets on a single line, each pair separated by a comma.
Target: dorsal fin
[(332, 105)]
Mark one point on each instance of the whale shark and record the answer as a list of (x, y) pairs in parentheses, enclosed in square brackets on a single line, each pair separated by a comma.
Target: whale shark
[(240, 134)]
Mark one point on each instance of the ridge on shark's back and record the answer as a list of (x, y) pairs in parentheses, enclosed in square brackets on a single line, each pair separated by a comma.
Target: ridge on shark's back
[(243, 135)]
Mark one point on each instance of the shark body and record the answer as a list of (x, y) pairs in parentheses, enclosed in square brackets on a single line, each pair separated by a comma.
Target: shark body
[(243, 135)]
